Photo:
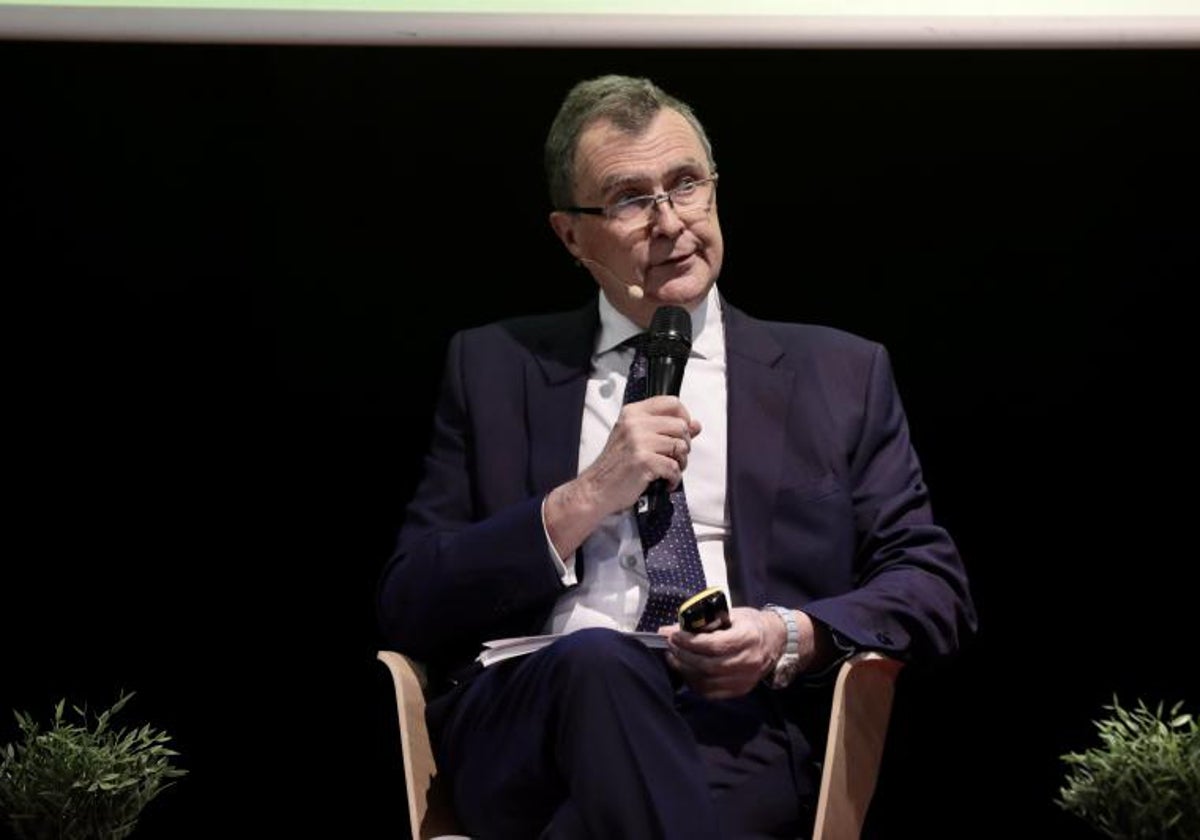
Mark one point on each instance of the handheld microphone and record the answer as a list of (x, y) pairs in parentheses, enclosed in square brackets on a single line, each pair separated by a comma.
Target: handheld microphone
[(634, 289), (668, 344)]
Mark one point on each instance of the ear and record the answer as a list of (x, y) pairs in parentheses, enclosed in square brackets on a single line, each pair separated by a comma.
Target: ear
[(564, 227)]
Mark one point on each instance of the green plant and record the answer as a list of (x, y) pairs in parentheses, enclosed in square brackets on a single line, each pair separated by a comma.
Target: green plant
[(74, 780), (1144, 779)]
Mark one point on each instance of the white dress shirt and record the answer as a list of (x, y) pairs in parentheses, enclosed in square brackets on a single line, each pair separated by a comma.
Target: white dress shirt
[(614, 586)]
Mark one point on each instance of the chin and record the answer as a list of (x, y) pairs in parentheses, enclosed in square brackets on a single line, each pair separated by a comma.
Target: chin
[(686, 291)]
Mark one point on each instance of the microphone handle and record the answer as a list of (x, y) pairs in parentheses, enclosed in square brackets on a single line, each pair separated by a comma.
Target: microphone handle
[(664, 378), (655, 496)]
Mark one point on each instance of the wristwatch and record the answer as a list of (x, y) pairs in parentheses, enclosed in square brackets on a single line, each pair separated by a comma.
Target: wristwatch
[(787, 666)]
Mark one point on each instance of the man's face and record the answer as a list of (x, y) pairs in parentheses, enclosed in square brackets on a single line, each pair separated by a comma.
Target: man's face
[(675, 260)]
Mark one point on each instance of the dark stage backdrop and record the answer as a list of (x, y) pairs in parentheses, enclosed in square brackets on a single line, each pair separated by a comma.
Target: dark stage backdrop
[(230, 274)]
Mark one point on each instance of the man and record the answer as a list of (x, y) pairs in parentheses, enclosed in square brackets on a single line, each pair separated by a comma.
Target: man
[(806, 504)]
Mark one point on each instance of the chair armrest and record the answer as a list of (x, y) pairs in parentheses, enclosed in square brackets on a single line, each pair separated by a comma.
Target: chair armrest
[(858, 722), (430, 809)]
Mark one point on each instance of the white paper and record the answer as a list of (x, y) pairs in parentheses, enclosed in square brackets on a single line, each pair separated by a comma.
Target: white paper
[(499, 650)]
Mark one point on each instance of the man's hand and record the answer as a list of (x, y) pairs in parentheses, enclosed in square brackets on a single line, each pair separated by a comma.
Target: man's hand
[(730, 662), (651, 440)]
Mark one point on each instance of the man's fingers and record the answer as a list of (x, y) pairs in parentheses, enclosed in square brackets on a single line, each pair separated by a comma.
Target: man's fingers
[(668, 409)]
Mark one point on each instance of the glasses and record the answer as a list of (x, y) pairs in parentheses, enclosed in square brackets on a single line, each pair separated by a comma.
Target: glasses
[(690, 200)]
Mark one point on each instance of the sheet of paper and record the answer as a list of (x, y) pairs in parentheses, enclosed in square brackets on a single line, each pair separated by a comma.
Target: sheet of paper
[(499, 650)]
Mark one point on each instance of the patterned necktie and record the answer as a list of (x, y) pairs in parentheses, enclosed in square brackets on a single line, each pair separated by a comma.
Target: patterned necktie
[(668, 541)]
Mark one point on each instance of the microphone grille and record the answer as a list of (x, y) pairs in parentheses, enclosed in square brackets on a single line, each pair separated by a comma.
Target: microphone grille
[(670, 332)]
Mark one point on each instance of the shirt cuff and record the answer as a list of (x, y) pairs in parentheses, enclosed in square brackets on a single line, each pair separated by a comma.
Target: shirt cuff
[(565, 573)]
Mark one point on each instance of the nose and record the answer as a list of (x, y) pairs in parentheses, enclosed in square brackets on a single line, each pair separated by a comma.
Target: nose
[(666, 218)]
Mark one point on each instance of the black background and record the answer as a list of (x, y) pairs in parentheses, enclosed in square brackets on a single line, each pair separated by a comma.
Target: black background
[(229, 277)]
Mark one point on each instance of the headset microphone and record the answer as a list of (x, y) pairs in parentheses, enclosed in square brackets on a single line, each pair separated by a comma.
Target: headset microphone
[(635, 290)]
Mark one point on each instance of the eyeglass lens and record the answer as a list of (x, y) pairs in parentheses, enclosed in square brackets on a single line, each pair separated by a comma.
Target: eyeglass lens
[(687, 199)]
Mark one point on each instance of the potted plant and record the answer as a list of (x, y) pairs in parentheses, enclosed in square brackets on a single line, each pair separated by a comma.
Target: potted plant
[(82, 779), (1143, 781)]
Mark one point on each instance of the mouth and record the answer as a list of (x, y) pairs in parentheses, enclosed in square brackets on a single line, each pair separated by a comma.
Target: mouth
[(674, 261)]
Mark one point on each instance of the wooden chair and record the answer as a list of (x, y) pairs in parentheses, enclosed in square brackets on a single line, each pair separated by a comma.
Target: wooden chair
[(858, 722), (862, 705)]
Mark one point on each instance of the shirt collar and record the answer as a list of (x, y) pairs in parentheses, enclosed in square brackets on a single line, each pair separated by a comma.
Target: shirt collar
[(707, 328)]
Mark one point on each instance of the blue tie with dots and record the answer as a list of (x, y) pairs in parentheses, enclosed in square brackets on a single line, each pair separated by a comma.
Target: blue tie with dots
[(668, 541)]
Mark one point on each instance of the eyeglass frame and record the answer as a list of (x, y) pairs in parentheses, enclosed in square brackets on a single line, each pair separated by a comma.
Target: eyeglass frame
[(656, 198)]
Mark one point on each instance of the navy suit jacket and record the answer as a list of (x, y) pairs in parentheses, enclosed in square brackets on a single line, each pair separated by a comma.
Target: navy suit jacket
[(827, 505)]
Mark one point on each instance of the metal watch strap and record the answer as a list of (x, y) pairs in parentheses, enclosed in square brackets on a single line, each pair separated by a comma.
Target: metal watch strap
[(788, 663)]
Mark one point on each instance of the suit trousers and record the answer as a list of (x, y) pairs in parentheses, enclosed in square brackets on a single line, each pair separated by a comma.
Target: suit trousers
[(594, 737)]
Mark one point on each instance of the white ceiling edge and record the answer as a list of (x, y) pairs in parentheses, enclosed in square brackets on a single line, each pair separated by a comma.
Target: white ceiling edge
[(27, 22)]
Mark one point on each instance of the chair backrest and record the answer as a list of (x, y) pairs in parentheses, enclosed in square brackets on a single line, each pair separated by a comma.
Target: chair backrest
[(862, 705)]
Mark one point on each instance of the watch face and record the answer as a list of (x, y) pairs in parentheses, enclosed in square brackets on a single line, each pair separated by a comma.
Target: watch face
[(786, 670)]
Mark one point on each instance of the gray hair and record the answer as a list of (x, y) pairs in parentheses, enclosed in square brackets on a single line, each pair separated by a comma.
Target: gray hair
[(628, 103)]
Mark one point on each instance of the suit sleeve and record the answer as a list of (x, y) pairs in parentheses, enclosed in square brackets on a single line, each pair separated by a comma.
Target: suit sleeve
[(464, 570), (911, 598)]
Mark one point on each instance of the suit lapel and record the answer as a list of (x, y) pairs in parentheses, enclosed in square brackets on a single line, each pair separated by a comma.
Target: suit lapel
[(555, 387), (759, 394)]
